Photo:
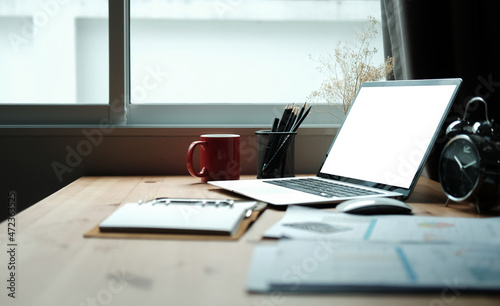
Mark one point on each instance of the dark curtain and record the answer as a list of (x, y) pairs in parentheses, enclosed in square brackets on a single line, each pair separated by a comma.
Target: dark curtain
[(447, 39)]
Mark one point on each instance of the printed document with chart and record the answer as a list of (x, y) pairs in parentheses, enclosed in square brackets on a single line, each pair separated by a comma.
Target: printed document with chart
[(333, 252), (307, 223)]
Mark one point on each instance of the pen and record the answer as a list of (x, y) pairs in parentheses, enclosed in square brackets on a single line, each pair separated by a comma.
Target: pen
[(203, 202)]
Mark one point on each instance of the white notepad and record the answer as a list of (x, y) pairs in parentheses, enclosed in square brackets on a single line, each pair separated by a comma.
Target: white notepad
[(178, 218)]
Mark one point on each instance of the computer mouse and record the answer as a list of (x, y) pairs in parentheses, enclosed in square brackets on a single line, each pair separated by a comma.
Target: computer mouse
[(374, 206)]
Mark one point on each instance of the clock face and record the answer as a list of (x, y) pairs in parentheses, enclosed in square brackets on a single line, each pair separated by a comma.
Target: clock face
[(459, 168)]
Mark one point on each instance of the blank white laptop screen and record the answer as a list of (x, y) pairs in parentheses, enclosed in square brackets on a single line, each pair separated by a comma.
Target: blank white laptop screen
[(386, 133)]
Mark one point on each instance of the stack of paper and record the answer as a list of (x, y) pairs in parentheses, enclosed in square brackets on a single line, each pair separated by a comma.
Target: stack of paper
[(308, 223), (333, 252)]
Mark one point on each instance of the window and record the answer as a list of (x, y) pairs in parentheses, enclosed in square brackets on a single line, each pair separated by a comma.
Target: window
[(54, 61), (232, 61), (196, 62), (54, 51)]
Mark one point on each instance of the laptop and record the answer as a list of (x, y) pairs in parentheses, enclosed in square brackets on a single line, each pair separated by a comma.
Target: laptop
[(379, 150)]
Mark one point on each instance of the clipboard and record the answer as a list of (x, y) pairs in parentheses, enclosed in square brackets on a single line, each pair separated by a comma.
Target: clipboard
[(96, 232)]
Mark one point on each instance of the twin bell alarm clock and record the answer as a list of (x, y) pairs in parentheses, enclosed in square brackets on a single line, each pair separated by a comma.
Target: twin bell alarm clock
[(469, 166)]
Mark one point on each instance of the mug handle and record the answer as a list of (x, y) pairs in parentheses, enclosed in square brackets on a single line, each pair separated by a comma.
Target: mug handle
[(189, 159)]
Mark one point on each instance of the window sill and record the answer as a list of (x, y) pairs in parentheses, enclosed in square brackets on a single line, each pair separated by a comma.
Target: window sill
[(152, 130)]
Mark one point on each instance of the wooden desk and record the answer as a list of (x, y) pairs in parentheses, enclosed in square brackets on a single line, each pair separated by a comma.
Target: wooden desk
[(55, 265)]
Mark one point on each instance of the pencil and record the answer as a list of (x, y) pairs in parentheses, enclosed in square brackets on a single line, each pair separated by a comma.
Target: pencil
[(302, 119), (284, 119), (291, 119), (301, 113), (275, 124), (278, 125)]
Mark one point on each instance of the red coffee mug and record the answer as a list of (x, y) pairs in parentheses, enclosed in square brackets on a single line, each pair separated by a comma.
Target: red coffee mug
[(219, 157)]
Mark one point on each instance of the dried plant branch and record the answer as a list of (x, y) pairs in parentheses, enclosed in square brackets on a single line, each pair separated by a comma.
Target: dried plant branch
[(348, 67)]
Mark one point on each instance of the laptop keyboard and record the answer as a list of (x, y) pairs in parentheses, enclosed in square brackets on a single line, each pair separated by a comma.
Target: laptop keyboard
[(323, 188)]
